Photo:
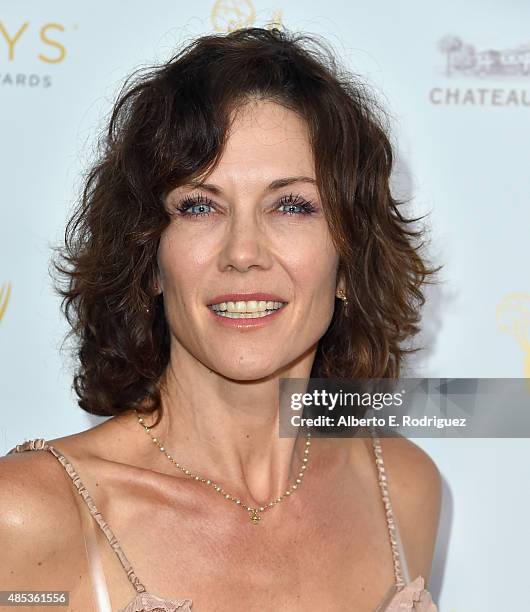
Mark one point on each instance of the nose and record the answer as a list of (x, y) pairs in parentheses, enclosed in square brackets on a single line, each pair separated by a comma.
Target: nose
[(245, 244)]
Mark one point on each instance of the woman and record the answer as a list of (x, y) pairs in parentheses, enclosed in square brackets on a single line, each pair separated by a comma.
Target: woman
[(237, 228)]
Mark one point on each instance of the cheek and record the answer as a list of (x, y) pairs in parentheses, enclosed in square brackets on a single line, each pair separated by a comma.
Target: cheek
[(312, 261), (180, 265)]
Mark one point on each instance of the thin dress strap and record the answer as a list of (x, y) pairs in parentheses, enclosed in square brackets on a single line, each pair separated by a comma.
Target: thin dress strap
[(99, 582), (40, 444), (400, 565)]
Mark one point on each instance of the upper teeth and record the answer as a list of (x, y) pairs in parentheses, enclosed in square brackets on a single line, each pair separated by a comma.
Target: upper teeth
[(251, 306)]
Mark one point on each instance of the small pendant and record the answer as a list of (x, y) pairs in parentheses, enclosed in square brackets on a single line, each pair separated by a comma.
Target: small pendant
[(254, 516)]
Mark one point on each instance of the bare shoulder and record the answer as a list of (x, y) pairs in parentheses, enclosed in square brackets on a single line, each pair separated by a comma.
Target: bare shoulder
[(40, 526), (40, 523), (30, 481), (415, 487)]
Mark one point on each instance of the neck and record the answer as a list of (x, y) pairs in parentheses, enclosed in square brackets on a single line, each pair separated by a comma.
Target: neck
[(227, 431)]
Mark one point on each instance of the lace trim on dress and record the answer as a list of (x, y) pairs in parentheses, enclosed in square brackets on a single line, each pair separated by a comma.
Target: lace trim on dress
[(146, 602), (412, 596)]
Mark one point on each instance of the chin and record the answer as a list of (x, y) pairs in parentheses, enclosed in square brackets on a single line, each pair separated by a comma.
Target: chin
[(247, 372)]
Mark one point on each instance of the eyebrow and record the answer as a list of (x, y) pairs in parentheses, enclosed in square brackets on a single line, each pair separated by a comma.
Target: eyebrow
[(276, 184)]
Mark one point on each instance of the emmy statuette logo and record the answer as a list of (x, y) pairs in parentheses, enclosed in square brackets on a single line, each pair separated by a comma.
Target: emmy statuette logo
[(513, 317), (5, 292), (230, 15)]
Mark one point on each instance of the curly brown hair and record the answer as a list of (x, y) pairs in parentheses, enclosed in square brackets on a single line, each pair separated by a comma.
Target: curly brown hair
[(169, 125)]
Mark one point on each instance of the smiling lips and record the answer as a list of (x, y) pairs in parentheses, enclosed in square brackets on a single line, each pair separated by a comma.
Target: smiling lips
[(248, 307), (246, 310)]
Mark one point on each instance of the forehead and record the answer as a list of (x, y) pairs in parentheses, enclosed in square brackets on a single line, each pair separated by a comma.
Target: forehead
[(267, 138)]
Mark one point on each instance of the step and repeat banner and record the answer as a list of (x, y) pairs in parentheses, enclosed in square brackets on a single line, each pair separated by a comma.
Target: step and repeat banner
[(455, 79)]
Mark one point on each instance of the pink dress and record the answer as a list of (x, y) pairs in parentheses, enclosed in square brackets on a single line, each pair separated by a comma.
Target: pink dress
[(403, 596)]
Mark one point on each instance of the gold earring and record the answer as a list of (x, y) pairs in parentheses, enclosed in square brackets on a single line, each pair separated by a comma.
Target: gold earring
[(342, 296)]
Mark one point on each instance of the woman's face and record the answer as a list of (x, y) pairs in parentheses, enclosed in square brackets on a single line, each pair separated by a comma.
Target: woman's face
[(240, 233)]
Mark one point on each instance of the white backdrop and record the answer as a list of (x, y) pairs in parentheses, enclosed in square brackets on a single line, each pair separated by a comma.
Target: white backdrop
[(456, 79)]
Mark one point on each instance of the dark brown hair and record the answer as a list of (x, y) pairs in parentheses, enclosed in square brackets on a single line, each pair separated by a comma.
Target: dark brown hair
[(169, 124)]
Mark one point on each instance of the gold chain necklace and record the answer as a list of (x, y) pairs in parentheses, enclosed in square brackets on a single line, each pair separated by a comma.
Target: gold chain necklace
[(254, 513)]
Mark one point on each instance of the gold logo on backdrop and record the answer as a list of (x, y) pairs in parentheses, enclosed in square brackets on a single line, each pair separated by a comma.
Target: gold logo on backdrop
[(5, 292), (513, 317), (28, 46), (52, 51), (230, 15)]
